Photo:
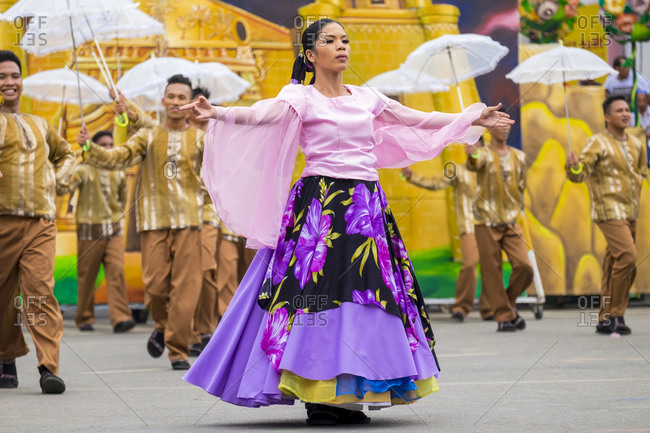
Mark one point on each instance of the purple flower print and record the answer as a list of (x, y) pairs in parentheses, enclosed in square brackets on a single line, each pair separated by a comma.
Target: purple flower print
[(367, 297), (275, 335), (298, 187), (382, 197), (312, 247), (383, 257), (364, 215), (407, 278), (413, 339), (287, 217), (398, 248), (281, 259)]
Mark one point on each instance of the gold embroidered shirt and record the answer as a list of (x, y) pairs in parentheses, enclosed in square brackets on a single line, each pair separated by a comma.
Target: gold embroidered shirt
[(501, 183), (169, 189), (464, 183), (614, 171), (30, 152), (210, 216), (100, 206)]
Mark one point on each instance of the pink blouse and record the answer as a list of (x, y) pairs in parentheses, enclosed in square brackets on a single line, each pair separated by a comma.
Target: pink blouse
[(250, 152)]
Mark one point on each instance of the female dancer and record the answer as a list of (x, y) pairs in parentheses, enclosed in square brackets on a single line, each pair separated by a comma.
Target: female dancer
[(329, 312)]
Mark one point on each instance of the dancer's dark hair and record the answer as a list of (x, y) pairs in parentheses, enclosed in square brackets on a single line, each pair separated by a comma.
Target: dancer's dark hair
[(610, 99), (618, 62), (178, 79), (200, 91), (308, 41), (10, 56), (101, 134)]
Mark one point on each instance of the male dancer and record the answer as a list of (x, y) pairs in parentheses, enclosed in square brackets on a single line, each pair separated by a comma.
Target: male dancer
[(464, 184), (205, 315), (501, 177), (30, 150), (100, 207), (613, 164), (169, 196)]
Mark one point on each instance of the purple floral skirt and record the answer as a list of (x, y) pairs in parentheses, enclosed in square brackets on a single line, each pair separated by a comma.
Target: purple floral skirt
[(334, 308)]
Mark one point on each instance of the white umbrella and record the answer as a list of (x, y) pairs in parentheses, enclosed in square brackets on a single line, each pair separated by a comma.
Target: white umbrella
[(60, 85), (69, 9), (53, 34), (145, 82), (559, 65), (224, 85), (56, 85), (399, 81), (52, 8), (456, 58), (122, 24)]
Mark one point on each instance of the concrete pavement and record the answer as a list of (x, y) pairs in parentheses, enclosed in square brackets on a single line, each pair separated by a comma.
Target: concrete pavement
[(556, 376)]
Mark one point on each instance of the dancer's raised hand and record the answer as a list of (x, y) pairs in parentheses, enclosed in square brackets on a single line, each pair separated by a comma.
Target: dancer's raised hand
[(201, 108), (491, 117), (572, 161), (83, 137)]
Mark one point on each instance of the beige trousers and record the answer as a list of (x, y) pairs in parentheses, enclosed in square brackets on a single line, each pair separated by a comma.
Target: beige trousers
[(491, 240), (205, 315), (619, 267), (467, 279), (27, 249), (234, 260), (171, 271), (110, 252)]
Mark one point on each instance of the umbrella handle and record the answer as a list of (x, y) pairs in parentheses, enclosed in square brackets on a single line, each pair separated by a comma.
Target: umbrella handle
[(86, 147), (122, 119)]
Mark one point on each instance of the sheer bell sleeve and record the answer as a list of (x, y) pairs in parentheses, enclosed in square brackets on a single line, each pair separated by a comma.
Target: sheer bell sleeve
[(248, 163), (404, 136)]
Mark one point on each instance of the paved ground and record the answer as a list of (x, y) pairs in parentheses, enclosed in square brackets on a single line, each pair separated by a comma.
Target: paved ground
[(557, 376)]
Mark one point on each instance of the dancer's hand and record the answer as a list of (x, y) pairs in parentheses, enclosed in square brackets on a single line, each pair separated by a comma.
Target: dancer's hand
[(122, 106), (201, 108), (491, 117), (83, 137), (572, 161), (407, 172), (470, 149)]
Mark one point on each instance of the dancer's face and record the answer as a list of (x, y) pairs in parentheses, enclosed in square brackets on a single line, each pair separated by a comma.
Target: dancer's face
[(500, 133), (11, 82), (176, 95), (618, 115), (622, 72), (105, 141), (642, 101), (332, 49)]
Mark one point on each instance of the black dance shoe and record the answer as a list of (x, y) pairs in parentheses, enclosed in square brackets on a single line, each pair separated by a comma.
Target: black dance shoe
[(8, 374)]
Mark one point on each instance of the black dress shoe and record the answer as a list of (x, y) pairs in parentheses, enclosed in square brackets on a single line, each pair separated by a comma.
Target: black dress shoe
[(506, 327), (8, 374), (519, 323), (457, 317), (196, 349), (124, 326), (604, 327), (156, 343), (180, 364), (321, 414), (205, 339), (86, 328), (489, 318), (619, 326), (50, 383)]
